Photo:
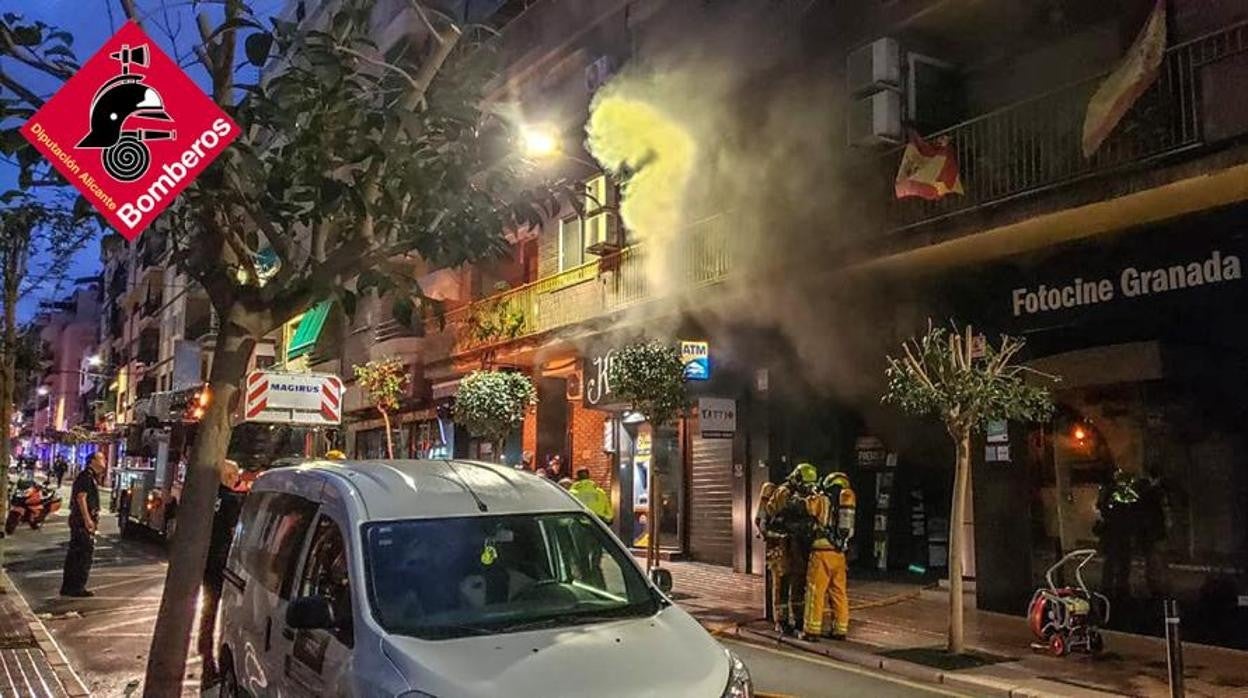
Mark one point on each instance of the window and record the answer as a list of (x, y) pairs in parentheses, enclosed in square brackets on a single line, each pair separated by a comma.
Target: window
[(571, 244), (325, 575), (443, 578), (272, 529)]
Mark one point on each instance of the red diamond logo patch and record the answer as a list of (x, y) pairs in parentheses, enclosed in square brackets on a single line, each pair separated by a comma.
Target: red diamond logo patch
[(130, 130)]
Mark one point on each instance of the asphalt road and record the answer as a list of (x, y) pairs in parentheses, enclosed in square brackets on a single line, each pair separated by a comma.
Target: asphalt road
[(106, 637), (780, 673)]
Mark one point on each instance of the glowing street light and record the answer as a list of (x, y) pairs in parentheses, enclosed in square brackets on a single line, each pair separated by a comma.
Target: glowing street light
[(95, 361), (41, 391), (539, 141)]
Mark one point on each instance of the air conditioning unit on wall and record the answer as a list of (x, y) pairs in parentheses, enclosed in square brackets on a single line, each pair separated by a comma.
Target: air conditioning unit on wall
[(874, 67), (601, 226), (875, 82), (875, 119)]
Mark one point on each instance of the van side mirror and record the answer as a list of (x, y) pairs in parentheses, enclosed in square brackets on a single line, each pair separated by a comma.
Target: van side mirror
[(662, 579), (309, 613)]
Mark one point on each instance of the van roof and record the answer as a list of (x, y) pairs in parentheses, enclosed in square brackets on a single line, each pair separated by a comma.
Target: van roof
[(404, 489)]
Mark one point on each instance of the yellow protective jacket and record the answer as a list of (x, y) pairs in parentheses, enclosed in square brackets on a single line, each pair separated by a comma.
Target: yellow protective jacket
[(835, 525), (772, 499), (594, 498)]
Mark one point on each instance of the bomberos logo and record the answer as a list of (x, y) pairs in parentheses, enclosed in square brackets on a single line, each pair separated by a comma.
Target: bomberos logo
[(130, 130)]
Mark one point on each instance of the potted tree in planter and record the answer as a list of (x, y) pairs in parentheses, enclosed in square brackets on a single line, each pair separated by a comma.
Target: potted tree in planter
[(942, 374), (385, 382), (491, 404), (650, 377)]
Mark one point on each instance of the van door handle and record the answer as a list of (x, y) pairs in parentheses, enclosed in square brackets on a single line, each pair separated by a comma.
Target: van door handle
[(268, 634)]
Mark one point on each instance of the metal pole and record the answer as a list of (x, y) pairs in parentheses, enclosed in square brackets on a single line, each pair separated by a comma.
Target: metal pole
[(1174, 649)]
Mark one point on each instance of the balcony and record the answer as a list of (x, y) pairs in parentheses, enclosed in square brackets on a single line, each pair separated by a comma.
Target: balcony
[(1034, 146), (603, 286)]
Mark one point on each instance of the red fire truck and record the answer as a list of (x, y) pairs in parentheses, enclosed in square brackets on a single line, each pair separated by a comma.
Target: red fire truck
[(283, 416)]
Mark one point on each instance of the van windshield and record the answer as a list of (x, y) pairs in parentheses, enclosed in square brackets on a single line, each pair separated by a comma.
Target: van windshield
[(443, 578)]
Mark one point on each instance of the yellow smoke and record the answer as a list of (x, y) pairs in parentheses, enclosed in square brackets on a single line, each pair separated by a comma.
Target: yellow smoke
[(633, 134)]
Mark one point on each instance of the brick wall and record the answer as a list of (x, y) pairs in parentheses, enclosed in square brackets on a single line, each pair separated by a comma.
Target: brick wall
[(528, 433), (586, 447)]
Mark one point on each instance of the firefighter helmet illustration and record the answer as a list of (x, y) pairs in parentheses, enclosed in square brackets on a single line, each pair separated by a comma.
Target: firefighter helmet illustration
[(121, 98)]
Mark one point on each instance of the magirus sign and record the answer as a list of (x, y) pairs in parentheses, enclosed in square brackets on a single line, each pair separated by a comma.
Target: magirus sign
[(130, 130)]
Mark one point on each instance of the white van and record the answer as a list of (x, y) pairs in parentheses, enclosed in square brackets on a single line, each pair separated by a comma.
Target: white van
[(448, 579)]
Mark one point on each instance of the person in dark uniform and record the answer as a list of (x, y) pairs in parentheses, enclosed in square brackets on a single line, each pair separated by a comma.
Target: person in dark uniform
[(1118, 505), (84, 516), (230, 496), (59, 466)]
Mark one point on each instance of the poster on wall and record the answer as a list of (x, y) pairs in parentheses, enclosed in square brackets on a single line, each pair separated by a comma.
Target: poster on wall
[(871, 452), (717, 417), (641, 470)]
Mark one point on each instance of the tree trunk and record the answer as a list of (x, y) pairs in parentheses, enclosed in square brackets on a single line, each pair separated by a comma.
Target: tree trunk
[(166, 663), (385, 418), (8, 379), (957, 540), (652, 542), (498, 450)]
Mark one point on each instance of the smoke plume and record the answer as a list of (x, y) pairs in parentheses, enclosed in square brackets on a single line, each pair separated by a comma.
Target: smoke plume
[(729, 129)]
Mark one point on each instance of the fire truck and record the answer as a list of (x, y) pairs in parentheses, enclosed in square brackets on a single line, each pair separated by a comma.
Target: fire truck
[(283, 417)]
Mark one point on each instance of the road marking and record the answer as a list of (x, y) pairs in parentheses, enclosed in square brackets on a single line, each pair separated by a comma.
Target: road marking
[(851, 668), (124, 623), (94, 574)]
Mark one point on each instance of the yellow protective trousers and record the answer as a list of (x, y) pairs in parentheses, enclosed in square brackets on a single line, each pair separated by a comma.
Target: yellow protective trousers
[(788, 578), (825, 581)]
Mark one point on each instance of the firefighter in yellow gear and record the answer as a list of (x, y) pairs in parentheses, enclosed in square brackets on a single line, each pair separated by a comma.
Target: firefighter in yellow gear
[(832, 506), (781, 514)]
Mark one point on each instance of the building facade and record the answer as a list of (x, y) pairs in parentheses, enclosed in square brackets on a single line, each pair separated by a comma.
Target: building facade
[(791, 269)]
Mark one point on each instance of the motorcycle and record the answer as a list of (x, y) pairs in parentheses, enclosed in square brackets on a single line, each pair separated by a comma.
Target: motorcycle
[(31, 503)]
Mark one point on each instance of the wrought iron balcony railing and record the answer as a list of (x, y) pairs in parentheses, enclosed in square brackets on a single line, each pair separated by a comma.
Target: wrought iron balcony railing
[(698, 256), (1035, 145)]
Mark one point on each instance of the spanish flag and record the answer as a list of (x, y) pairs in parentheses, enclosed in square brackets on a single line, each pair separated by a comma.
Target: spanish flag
[(1132, 77), (928, 170)]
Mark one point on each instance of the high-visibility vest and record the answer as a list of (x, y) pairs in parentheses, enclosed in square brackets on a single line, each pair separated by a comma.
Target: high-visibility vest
[(594, 498)]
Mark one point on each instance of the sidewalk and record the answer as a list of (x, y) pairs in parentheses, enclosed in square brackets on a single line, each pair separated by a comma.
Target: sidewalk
[(901, 629), (31, 663)]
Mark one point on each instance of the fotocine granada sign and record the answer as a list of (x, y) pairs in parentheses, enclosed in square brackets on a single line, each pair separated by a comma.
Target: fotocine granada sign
[(130, 130)]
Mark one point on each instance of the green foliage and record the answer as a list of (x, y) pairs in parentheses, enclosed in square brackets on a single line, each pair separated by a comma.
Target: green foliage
[(351, 160), (651, 377), (491, 404), (39, 48), (496, 319), (384, 380), (936, 375)]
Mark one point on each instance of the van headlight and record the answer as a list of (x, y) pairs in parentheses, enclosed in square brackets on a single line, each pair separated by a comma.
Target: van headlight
[(739, 683)]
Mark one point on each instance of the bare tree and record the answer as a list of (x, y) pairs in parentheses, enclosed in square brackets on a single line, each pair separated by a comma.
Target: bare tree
[(942, 374)]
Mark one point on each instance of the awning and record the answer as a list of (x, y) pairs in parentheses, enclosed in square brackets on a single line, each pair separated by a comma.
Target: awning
[(304, 339)]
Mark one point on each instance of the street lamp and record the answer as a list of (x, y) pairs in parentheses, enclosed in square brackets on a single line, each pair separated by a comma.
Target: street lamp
[(544, 142), (42, 391), (95, 361), (539, 141)]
